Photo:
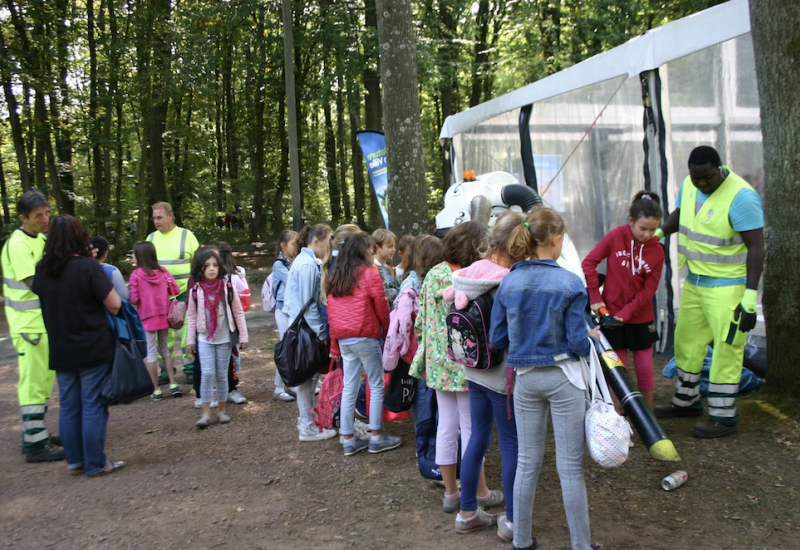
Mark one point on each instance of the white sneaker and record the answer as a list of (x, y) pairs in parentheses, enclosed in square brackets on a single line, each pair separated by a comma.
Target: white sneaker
[(316, 435), (360, 431), (198, 404), (236, 397)]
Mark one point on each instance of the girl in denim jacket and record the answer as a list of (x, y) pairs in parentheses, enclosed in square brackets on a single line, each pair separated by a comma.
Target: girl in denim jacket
[(538, 315)]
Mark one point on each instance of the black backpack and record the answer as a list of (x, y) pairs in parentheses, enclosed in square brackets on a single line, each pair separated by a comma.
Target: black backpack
[(468, 334)]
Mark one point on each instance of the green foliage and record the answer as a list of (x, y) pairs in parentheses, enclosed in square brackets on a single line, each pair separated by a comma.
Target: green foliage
[(100, 92)]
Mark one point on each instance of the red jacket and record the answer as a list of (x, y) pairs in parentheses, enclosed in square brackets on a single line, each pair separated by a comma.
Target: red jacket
[(362, 314), (632, 275)]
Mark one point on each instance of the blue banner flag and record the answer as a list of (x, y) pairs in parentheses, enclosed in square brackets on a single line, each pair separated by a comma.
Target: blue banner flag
[(373, 147)]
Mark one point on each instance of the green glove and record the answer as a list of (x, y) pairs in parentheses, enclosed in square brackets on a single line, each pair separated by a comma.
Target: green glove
[(659, 233), (749, 300)]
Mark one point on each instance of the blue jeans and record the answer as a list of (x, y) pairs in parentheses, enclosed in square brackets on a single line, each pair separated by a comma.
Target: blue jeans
[(214, 362), (487, 407), (368, 354), (83, 418)]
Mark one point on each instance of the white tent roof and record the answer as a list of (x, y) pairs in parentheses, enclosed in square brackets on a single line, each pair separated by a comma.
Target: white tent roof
[(643, 53)]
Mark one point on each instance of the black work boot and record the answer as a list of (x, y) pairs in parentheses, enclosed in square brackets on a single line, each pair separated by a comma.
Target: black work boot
[(711, 429), (673, 411), (51, 453)]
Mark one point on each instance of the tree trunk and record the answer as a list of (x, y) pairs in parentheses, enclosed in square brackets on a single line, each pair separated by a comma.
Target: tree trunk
[(449, 54), (259, 226), (63, 134), (283, 174), (373, 108), (330, 165), (13, 116), (776, 40), (4, 194), (354, 101), (159, 98), (480, 54), (94, 126), (231, 141), (407, 193), (221, 204), (342, 154)]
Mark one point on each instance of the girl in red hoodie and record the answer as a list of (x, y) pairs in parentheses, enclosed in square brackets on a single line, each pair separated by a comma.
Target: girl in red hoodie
[(151, 288), (358, 319), (633, 271)]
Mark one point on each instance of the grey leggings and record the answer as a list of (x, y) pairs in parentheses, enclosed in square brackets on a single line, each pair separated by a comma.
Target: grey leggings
[(543, 390)]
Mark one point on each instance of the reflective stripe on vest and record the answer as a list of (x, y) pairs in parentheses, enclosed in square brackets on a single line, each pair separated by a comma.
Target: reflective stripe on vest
[(15, 284), (707, 242), (23, 305)]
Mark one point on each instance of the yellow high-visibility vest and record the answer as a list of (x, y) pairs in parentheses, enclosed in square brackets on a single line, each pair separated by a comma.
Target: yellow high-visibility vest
[(20, 255), (707, 241), (175, 251)]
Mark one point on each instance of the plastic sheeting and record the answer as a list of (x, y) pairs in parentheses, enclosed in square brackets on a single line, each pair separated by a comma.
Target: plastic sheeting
[(588, 144)]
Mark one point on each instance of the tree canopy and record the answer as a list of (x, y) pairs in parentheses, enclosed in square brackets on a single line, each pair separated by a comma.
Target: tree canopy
[(112, 105)]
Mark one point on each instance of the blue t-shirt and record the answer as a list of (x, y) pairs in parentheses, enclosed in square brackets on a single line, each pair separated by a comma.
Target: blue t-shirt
[(746, 214)]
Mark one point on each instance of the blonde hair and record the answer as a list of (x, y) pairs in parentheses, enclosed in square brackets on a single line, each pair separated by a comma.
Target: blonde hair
[(541, 224), (165, 206), (382, 236), (501, 233), (339, 237)]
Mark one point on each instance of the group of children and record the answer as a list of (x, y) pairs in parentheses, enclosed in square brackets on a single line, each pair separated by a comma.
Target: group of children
[(214, 315), (374, 316)]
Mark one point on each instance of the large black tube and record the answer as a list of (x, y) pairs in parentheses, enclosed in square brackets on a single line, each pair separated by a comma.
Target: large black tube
[(520, 195), (643, 419)]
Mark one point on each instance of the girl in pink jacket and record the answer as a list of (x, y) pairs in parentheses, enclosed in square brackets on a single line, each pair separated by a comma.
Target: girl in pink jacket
[(215, 317), (151, 288)]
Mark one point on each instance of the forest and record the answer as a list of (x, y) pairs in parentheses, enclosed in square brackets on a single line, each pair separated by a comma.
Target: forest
[(112, 105)]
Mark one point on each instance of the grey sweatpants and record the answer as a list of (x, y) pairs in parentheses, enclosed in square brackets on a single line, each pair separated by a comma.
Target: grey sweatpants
[(543, 390)]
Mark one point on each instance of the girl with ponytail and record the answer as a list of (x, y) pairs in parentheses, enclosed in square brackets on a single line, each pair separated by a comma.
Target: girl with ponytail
[(538, 315)]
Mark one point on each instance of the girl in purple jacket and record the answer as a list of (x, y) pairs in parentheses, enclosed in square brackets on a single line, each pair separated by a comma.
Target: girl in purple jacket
[(152, 286)]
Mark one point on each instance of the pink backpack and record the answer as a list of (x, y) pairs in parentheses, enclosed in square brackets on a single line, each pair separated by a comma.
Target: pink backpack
[(326, 413)]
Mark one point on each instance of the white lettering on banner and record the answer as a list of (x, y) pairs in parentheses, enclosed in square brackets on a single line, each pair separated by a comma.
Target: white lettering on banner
[(377, 162)]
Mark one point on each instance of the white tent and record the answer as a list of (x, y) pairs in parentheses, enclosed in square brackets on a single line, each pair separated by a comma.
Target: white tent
[(590, 136)]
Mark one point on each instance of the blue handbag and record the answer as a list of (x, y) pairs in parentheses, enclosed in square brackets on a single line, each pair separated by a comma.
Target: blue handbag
[(128, 379)]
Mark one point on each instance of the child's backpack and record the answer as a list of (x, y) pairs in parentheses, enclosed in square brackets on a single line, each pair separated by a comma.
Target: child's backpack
[(269, 293), (327, 413), (468, 334), (268, 300)]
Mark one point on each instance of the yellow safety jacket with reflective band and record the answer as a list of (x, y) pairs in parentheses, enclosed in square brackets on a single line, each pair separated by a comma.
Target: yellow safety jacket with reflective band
[(707, 242), (20, 255), (175, 250)]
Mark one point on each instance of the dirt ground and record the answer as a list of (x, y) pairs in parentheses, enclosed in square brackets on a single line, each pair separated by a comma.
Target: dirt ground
[(252, 485)]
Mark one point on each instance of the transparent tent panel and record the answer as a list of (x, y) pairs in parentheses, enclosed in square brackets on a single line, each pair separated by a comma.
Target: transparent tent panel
[(708, 98), (713, 100)]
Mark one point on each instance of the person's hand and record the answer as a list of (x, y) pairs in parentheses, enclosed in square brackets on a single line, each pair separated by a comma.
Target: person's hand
[(658, 234), (190, 349), (335, 356), (620, 319), (94, 253), (242, 345), (596, 307), (595, 332), (326, 341), (745, 313)]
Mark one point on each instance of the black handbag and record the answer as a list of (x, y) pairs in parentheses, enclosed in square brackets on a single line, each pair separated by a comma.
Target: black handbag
[(128, 379), (401, 389), (300, 354)]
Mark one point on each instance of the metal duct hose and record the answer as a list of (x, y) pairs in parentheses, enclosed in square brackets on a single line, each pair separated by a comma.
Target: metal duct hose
[(480, 210), (522, 196)]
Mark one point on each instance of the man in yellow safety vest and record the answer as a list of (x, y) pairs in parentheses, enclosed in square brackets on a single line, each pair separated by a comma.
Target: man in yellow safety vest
[(721, 223), (175, 247), (22, 251)]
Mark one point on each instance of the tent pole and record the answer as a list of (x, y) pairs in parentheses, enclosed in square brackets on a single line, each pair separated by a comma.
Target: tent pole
[(656, 166), (526, 147)]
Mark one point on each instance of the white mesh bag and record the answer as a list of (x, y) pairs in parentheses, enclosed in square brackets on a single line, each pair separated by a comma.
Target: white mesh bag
[(608, 435)]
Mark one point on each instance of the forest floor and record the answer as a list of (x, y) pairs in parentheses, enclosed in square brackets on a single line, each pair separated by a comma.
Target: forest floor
[(250, 484)]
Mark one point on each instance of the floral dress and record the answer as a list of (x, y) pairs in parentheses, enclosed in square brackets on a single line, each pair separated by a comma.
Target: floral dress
[(431, 362)]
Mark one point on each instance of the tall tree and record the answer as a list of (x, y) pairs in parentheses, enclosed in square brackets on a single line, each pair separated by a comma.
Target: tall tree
[(407, 192), (776, 40)]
